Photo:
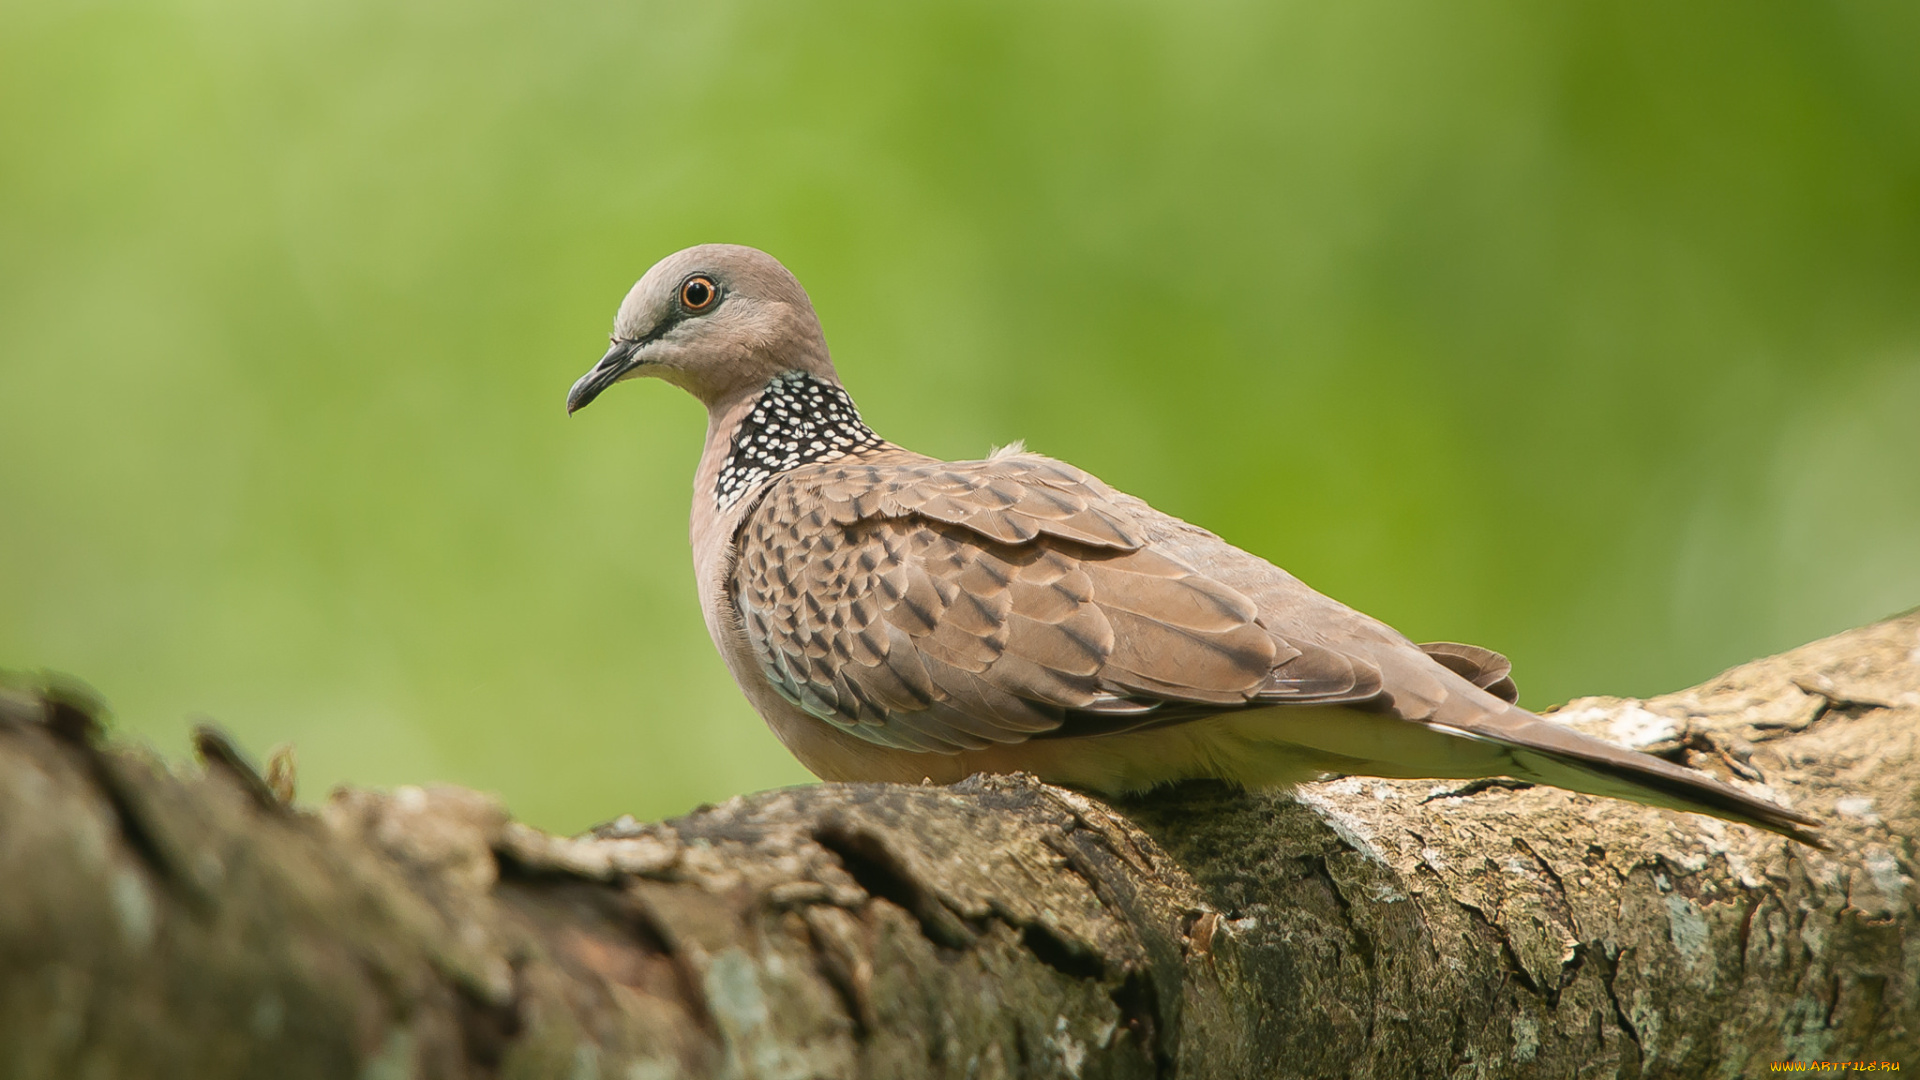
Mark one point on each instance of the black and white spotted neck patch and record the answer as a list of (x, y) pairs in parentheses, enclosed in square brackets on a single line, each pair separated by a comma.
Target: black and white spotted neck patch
[(799, 420)]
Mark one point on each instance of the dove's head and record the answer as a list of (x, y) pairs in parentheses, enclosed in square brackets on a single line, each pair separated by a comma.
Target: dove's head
[(718, 320)]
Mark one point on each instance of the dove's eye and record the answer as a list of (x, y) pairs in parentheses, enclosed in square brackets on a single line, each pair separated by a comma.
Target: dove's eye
[(699, 292)]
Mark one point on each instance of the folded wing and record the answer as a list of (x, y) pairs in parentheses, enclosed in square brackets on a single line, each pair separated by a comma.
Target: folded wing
[(947, 606)]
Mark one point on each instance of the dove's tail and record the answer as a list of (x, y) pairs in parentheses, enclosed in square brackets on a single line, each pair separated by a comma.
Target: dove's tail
[(1539, 749), (1474, 735)]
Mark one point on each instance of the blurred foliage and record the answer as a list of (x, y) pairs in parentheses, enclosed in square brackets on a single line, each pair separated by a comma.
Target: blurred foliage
[(1587, 332)]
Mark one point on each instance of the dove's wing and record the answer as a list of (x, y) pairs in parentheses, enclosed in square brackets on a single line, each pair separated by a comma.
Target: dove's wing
[(951, 606)]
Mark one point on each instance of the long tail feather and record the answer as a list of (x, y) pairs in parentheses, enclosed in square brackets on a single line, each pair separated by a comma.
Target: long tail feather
[(1550, 753)]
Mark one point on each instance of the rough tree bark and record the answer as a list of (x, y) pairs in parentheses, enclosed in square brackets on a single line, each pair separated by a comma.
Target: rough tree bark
[(185, 922)]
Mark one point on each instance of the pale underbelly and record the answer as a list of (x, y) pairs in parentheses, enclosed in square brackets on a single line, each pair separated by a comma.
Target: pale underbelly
[(1258, 748)]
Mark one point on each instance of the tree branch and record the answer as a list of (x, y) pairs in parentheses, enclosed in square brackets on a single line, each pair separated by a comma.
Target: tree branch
[(165, 922)]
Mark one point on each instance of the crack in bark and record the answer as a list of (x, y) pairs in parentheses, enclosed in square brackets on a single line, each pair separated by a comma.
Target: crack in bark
[(488, 1030), (1609, 972), (1071, 958), (1362, 941), (1509, 956), (1475, 787), (874, 866), (1138, 999), (1560, 905), (656, 935), (1746, 928), (1834, 701), (843, 964)]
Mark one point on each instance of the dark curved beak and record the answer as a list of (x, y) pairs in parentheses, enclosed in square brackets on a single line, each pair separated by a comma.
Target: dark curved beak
[(618, 361)]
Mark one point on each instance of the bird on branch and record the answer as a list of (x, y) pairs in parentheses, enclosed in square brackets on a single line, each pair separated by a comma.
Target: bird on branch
[(896, 617)]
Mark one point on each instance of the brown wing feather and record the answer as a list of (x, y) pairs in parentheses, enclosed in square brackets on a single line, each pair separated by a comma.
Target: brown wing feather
[(1010, 499), (952, 605), (1484, 668)]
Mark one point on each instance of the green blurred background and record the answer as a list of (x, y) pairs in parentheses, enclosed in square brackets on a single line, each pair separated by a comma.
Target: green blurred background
[(1588, 332)]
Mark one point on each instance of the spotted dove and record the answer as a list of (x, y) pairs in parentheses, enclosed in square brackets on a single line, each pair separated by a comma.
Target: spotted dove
[(898, 617)]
